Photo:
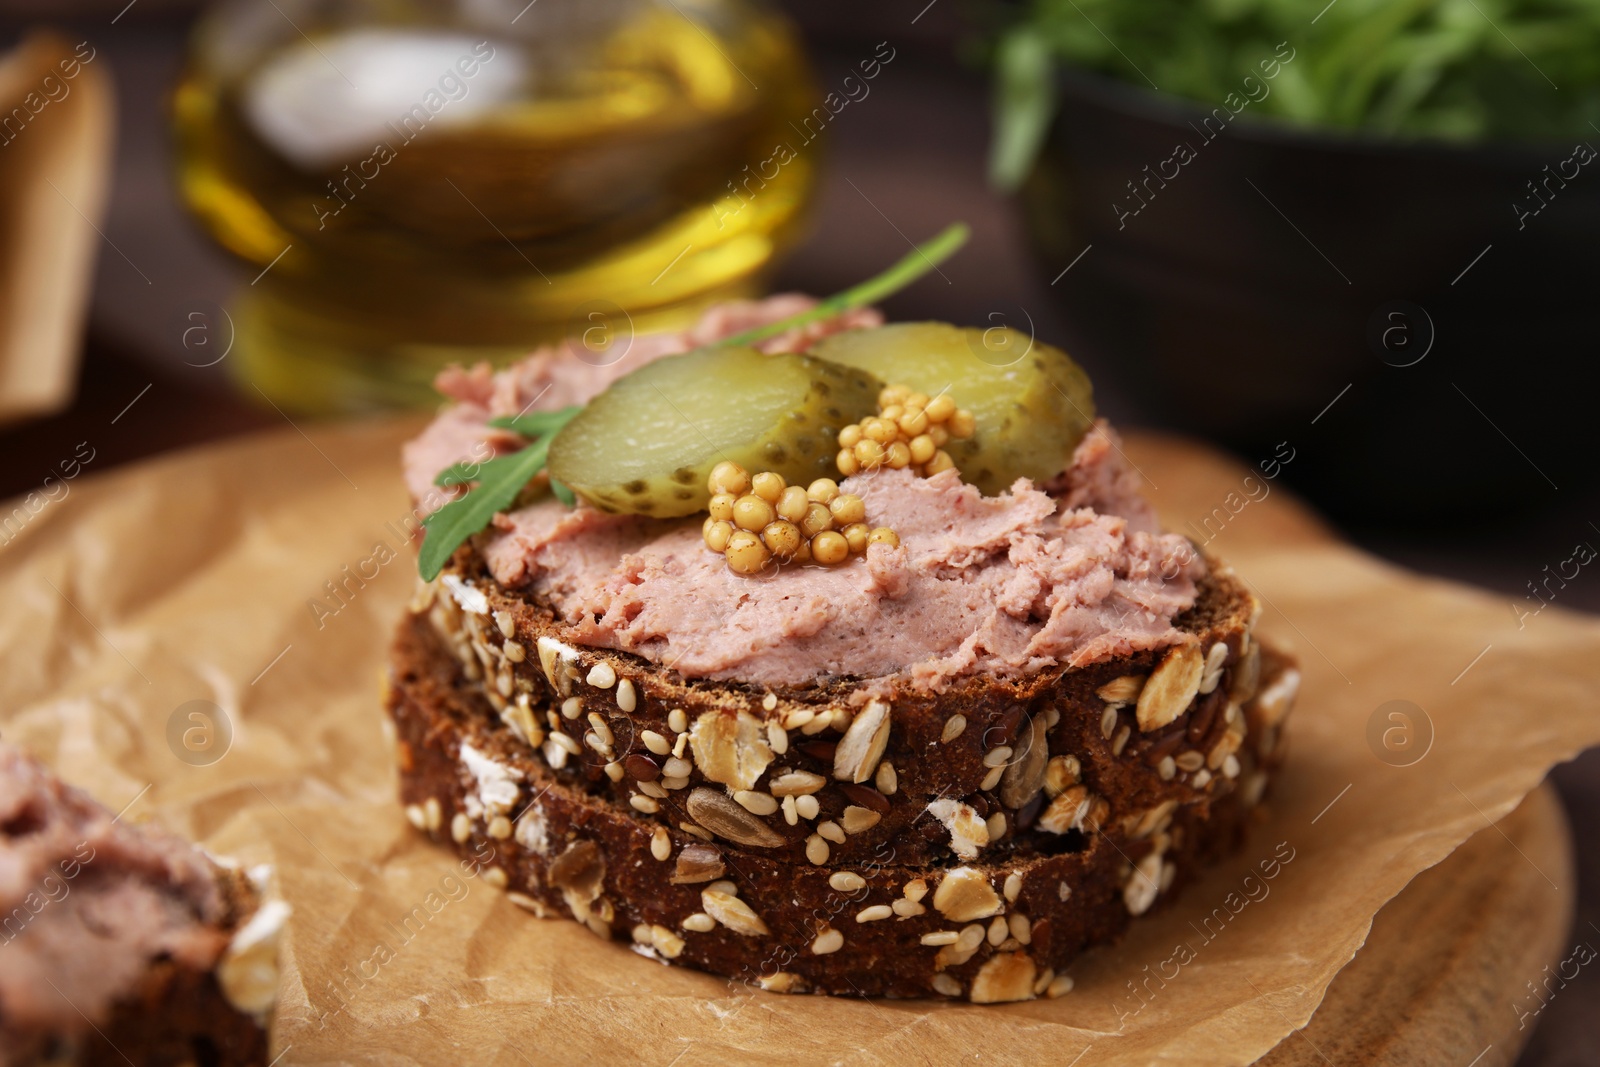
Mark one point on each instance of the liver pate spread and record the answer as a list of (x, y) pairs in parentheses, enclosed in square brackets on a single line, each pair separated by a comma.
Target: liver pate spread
[(88, 904), (1070, 573)]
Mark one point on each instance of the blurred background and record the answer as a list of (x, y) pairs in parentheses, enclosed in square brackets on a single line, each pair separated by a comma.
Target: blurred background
[(1362, 234)]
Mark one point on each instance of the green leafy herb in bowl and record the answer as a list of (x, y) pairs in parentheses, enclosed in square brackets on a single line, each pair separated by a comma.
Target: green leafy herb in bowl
[(1456, 70)]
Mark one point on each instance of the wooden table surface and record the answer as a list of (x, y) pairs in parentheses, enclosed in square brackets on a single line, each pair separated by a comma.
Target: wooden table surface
[(1444, 951)]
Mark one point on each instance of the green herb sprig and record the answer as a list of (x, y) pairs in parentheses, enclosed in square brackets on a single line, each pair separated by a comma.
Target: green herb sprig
[(496, 482), (913, 265)]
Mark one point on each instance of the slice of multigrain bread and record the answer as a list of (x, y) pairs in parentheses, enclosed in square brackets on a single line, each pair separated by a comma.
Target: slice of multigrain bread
[(123, 945), (818, 774), (893, 919)]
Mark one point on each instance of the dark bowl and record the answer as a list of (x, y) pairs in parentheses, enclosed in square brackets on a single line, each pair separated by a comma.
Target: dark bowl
[(1379, 305)]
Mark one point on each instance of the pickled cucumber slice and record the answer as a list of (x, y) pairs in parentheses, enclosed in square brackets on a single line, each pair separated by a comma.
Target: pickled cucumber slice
[(646, 445), (1032, 403)]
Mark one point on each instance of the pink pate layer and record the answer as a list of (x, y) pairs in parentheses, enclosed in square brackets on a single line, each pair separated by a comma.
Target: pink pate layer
[(1072, 573), (90, 903)]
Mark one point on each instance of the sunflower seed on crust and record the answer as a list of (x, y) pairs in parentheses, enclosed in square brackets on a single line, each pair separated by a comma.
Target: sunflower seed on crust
[(1024, 776), (698, 863), (725, 818)]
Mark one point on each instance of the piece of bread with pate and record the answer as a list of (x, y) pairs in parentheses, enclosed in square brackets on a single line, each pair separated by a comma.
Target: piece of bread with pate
[(800, 771), (1004, 926), (892, 676), (121, 944)]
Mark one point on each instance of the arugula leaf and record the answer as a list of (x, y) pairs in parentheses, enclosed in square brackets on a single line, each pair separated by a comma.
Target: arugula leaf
[(535, 424), (500, 480), (919, 261), (467, 473), (564, 493)]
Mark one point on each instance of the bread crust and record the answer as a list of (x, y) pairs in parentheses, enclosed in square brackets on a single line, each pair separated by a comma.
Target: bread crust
[(897, 920), (178, 1016)]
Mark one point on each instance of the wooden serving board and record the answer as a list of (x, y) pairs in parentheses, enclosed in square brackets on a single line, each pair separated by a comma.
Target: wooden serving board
[(1443, 975), (1445, 969)]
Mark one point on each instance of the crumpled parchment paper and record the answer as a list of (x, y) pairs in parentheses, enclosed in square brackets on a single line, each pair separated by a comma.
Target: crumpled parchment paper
[(203, 636)]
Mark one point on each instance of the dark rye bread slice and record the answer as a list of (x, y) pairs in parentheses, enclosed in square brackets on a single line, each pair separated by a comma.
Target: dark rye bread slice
[(983, 931), (177, 1016), (848, 776), (121, 944)]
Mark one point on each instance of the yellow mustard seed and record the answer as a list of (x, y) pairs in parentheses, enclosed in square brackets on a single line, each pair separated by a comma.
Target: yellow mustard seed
[(884, 536), (717, 532), (823, 490), (793, 503), (940, 407), (782, 539), (727, 477), (752, 513), (803, 553), (913, 422), (830, 547), (855, 535), (769, 486), (909, 431), (880, 430), (818, 518), (746, 554), (869, 454), (847, 508), (722, 506)]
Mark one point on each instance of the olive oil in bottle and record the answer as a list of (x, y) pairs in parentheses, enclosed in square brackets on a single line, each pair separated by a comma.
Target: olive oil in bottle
[(421, 182)]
